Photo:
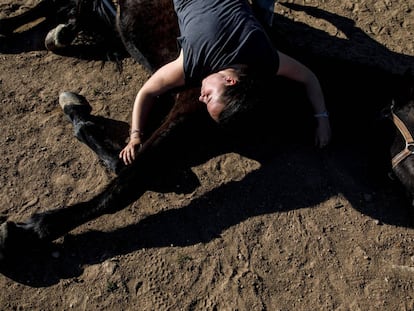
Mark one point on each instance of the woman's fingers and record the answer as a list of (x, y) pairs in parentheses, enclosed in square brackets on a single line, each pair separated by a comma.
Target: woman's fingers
[(127, 155)]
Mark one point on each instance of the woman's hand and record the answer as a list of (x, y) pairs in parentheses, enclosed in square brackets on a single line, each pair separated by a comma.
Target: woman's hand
[(129, 153), (323, 132)]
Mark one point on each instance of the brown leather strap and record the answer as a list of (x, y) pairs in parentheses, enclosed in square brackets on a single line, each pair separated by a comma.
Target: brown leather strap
[(407, 137)]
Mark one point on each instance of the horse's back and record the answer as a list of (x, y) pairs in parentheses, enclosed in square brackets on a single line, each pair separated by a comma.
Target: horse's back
[(150, 26)]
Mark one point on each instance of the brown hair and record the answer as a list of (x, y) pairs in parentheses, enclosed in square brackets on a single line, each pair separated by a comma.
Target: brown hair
[(242, 96)]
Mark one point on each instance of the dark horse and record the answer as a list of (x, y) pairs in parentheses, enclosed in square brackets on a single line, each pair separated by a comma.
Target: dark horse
[(144, 27)]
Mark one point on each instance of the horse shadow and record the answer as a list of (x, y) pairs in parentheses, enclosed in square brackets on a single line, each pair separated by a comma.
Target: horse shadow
[(279, 137)]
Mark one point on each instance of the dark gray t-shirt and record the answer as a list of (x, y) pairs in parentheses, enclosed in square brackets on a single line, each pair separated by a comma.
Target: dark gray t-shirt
[(216, 34)]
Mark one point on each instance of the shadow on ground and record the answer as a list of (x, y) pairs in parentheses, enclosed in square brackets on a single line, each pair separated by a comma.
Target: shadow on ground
[(279, 136)]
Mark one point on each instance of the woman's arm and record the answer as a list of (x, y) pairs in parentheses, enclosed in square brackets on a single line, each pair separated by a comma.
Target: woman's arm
[(164, 79), (292, 69)]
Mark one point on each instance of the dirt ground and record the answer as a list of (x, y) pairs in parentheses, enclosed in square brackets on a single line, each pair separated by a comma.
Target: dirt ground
[(294, 229)]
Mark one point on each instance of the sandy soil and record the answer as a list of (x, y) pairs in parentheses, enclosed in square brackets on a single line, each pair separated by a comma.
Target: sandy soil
[(281, 226)]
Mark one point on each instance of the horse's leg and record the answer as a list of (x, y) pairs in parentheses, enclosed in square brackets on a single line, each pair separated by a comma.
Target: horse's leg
[(86, 130), (42, 228), (43, 9), (123, 190), (63, 34), (59, 37), (146, 172), (94, 17)]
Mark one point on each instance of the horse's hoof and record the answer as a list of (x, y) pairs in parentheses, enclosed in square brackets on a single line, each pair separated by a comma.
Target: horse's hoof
[(59, 37), (70, 98), (72, 103)]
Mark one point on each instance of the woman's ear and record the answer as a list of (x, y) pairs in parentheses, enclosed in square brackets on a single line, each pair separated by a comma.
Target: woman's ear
[(231, 80)]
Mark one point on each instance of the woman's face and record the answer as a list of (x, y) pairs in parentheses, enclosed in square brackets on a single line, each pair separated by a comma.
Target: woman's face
[(212, 88)]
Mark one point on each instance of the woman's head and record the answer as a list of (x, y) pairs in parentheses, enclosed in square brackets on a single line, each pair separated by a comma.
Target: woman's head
[(228, 92), (212, 88)]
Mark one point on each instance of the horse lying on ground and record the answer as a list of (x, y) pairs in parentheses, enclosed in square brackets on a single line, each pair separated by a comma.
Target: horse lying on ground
[(134, 180), (145, 27)]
